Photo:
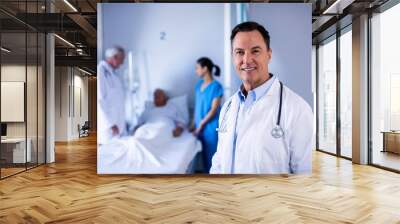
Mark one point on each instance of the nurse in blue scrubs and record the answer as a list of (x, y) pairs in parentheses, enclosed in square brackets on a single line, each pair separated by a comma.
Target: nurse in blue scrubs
[(207, 107)]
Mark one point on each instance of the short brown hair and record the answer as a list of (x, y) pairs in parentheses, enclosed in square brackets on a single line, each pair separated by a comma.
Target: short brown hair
[(248, 27)]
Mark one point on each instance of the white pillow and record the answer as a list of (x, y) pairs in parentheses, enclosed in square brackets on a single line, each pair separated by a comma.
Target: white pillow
[(148, 104), (181, 103)]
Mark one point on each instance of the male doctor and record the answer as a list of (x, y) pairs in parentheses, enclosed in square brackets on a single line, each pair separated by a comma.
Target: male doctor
[(264, 128), (111, 96)]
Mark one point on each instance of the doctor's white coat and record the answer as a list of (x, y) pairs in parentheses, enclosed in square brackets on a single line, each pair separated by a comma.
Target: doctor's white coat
[(257, 152), (111, 103)]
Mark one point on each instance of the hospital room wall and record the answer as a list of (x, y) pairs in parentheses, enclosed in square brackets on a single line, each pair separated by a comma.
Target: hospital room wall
[(71, 102), (235, 13), (166, 43), (289, 26)]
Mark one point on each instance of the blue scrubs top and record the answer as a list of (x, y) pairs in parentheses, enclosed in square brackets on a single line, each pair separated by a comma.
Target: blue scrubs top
[(208, 135), (204, 101)]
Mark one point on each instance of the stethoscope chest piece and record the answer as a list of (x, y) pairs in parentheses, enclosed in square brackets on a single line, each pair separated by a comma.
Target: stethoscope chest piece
[(277, 132)]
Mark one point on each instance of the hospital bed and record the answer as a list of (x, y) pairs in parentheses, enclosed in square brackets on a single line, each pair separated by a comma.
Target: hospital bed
[(151, 150)]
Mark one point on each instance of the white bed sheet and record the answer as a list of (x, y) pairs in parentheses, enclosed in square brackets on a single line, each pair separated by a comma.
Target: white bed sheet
[(151, 150)]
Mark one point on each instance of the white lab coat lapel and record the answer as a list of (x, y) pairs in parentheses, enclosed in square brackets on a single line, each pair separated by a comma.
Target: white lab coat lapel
[(262, 109), (109, 74), (270, 148), (256, 129), (112, 102), (284, 117), (227, 137), (257, 150)]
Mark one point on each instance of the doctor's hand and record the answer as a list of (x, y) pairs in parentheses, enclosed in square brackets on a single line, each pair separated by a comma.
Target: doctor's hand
[(177, 131), (115, 130)]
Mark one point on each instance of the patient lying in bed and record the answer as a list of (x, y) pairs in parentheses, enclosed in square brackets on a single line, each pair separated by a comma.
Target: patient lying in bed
[(161, 109), (154, 147)]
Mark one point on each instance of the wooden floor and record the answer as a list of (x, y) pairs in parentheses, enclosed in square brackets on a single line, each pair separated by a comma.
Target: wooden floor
[(70, 191), (10, 171), (387, 159)]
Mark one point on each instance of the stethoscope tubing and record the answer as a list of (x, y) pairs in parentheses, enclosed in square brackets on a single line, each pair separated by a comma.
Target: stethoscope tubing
[(278, 121), (223, 128)]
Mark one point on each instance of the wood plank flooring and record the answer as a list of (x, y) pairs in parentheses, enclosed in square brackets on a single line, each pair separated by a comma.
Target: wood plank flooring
[(70, 191), (10, 171)]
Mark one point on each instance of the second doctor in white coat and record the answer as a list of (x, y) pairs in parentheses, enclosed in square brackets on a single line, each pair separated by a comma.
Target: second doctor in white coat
[(246, 143), (111, 97)]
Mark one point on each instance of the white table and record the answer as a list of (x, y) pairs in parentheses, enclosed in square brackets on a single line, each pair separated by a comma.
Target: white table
[(19, 154)]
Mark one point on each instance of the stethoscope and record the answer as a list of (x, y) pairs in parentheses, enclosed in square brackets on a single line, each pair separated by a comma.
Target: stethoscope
[(276, 132)]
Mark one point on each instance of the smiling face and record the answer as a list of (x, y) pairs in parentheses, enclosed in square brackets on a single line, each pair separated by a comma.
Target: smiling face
[(251, 57)]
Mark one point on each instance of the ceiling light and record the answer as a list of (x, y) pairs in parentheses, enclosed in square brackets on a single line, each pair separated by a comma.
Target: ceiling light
[(331, 7), (5, 50), (84, 71), (64, 40), (70, 5), (338, 6)]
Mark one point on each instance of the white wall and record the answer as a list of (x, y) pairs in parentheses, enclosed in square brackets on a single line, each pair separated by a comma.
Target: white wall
[(234, 14), (15, 72), (61, 103), (67, 115), (12, 73), (33, 125), (194, 30), (190, 31), (79, 117)]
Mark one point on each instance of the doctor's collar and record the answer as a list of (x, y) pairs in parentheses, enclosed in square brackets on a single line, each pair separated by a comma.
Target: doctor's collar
[(108, 67), (258, 92), (241, 93)]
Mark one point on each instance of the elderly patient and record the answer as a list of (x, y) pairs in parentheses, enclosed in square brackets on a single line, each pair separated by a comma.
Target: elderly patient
[(162, 107)]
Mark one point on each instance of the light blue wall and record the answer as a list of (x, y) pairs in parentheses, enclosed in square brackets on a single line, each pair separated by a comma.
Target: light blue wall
[(289, 26), (191, 31), (195, 30)]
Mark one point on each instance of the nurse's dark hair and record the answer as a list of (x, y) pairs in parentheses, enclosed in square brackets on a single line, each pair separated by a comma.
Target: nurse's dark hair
[(206, 62), (248, 27)]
